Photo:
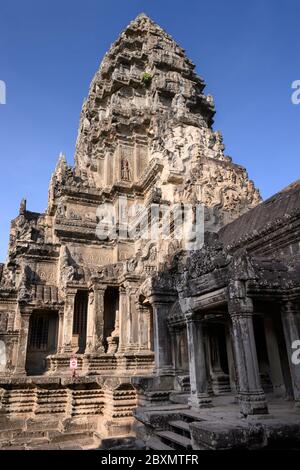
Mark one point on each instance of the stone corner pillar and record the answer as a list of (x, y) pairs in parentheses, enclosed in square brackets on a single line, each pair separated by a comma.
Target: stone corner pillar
[(68, 321), (290, 314), (175, 348), (124, 320), (199, 382), (95, 320), (98, 339), (144, 333), (161, 336), (22, 344), (250, 393), (60, 336)]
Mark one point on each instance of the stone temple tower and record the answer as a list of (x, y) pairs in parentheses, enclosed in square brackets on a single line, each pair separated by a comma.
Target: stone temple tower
[(145, 137), (146, 105)]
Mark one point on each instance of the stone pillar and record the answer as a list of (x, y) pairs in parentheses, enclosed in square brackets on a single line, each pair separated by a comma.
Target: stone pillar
[(124, 318), (22, 344), (250, 393), (290, 315), (197, 362), (184, 351), (135, 318), (91, 324), (130, 320), (144, 328), (149, 320), (68, 321), (230, 358), (176, 350), (60, 331), (162, 339), (96, 318), (274, 356)]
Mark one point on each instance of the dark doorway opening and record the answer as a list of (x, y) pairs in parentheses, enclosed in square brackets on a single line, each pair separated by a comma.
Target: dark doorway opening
[(271, 350), (42, 341), (218, 358), (111, 305), (80, 320)]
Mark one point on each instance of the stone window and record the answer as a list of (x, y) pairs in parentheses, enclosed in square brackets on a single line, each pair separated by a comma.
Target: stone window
[(38, 338)]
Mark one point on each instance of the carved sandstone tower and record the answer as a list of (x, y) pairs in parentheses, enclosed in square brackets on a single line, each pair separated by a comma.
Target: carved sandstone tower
[(146, 135), (146, 106)]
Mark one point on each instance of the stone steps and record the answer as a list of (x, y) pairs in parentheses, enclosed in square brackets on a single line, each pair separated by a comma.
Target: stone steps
[(179, 398), (190, 415), (177, 441), (168, 427), (156, 444), (181, 426)]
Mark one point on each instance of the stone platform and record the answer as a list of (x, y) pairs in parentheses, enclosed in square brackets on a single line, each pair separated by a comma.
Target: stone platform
[(64, 412), (220, 427)]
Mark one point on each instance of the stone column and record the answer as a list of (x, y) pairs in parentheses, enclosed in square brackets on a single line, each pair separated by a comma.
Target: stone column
[(130, 320), (135, 318), (96, 316), (274, 356), (290, 315), (162, 340), (22, 344), (230, 358), (250, 393), (144, 328), (68, 321), (149, 320), (176, 349), (91, 324), (123, 319), (197, 362), (60, 331)]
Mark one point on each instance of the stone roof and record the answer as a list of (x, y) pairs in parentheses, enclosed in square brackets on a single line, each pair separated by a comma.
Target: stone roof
[(283, 203)]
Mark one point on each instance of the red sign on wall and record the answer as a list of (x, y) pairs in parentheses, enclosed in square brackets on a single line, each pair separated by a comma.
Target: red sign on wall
[(73, 363)]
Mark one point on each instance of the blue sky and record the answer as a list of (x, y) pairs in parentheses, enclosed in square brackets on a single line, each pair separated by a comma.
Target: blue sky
[(248, 53)]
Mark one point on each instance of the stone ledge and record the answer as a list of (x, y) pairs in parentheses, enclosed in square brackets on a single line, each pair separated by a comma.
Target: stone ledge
[(216, 435)]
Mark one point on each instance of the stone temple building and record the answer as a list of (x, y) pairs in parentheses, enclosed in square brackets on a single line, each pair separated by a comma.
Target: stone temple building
[(176, 345)]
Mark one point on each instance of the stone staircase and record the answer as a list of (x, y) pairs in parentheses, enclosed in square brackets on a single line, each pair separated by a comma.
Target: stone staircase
[(172, 427), (176, 436)]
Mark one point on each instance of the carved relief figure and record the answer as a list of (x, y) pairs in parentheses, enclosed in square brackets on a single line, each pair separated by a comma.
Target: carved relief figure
[(125, 170)]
